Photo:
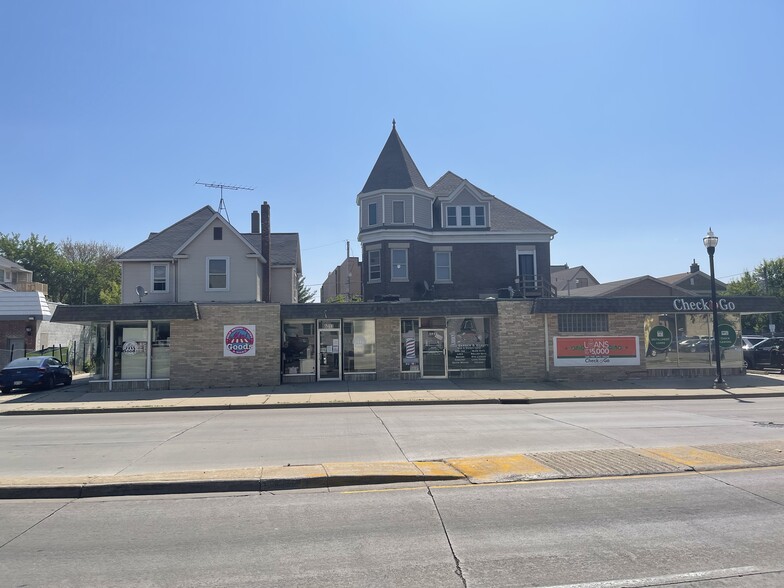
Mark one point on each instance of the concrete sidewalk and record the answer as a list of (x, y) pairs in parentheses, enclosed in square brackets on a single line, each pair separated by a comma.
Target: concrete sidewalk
[(77, 399)]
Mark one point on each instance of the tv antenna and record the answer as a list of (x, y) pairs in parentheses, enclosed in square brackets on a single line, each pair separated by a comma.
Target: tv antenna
[(222, 205)]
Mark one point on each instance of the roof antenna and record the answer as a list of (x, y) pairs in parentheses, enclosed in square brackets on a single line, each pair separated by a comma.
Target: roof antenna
[(222, 205), (393, 124)]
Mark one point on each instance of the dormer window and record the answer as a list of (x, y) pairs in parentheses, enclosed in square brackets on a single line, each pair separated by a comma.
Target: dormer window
[(466, 216)]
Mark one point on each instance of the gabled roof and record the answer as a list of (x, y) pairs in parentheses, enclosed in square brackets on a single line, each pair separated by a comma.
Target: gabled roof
[(8, 264), (616, 288), (284, 248), (678, 279), (567, 275), (503, 216), (394, 168), (164, 244)]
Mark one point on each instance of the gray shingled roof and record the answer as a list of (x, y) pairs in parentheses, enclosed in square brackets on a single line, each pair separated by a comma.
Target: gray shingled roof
[(163, 245), (503, 216), (394, 168), (284, 248), (610, 288)]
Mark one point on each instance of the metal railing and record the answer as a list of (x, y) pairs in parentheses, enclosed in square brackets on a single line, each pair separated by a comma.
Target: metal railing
[(531, 286)]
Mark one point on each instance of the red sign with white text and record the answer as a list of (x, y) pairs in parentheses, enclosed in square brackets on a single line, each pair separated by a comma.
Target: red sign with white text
[(596, 351)]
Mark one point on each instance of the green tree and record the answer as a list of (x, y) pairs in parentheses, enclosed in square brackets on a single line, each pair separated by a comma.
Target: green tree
[(37, 255), (304, 294), (767, 279), (344, 298)]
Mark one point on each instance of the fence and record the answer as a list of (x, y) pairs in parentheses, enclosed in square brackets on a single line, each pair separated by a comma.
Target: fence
[(76, 356)]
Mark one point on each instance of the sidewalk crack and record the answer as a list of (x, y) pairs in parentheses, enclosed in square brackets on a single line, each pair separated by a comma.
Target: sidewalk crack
[(391, 436)]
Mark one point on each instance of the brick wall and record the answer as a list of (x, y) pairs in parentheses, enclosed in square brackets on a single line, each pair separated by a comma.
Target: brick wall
[(197, 348), (520, 348), (388, 348)]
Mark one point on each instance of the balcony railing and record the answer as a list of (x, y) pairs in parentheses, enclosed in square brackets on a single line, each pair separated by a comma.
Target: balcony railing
[(30, 287), (532, 286)]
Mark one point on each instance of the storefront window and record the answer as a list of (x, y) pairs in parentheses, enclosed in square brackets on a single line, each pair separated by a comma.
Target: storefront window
[(409, 343), (103, 351), (298, 348), (686, 341), (130, 351), (359, 345), (159, 353), (468, 343)]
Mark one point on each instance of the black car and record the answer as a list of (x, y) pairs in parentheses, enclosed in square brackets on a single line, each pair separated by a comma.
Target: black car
[(767, 353), (34, 372)]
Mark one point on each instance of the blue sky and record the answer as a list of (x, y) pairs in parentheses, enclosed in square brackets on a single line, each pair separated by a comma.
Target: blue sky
[(629, 127)]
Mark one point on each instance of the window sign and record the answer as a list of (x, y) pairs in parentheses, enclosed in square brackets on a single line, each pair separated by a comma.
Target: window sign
[(596, 351), (469, 343)]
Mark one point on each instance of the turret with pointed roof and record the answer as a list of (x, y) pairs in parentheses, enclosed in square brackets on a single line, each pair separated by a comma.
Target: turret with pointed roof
[(394, 169)]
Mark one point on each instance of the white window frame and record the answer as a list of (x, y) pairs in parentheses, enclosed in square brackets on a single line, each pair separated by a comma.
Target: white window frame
[(372, 206), (165, 290), (228, 274), (404, 265), (457, 209), (402, 204), (377, 254), (448, 254)]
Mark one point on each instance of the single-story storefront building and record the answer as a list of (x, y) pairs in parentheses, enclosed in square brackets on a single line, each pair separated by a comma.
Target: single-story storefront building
[(194, 345)]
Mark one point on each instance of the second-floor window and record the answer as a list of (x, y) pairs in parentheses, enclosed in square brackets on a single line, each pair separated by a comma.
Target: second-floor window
[(398, 212), (160, 277), (466, 216), (443, 266), (217, 273), (372, 213), (399, 259), (374, 265)]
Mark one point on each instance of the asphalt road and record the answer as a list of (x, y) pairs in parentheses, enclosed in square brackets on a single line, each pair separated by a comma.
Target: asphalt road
[(153, 442), (695, 530)]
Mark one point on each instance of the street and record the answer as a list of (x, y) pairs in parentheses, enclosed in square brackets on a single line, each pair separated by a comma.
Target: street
[(151, 442), (696, 530)]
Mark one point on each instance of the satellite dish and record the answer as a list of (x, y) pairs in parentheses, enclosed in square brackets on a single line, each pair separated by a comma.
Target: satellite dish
[(427, 286), (141, 292)]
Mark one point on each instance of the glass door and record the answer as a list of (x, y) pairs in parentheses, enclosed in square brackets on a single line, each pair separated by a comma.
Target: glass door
[(432, 343), (329, 367)]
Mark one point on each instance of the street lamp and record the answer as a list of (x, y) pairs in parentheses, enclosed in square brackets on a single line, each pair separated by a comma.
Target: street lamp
[(710, 240)]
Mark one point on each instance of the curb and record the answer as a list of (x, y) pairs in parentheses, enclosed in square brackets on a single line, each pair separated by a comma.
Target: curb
[(558, 465), (367, 403)]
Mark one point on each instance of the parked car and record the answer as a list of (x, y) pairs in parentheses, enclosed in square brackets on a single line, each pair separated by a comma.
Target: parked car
[(34, 372), (695, 344), (750, 341), (766, 353)]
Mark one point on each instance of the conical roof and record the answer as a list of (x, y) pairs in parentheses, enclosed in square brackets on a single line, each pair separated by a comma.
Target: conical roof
[(394, 169)]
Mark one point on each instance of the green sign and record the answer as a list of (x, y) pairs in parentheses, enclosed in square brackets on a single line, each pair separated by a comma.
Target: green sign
[(727, 336), (660, 338)]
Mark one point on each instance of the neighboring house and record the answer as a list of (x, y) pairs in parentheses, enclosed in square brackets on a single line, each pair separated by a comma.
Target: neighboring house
[(695, 281), (566, 279), (345, 280), (203, 258), (639, 286), (13, 277), (450, 240)]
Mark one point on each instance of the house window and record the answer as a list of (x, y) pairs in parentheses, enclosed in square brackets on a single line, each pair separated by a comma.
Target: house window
[(443, 266), (374, 265), (160, 278), (399, 259), (398, 211), (372, 213), (470, 216), (451, 216), (479, 216), (4, 277), (583, 323), (217, 233), (217, 273)]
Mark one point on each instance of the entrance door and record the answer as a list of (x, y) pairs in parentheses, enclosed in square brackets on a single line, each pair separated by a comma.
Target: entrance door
[(432, 344), (329, 365)]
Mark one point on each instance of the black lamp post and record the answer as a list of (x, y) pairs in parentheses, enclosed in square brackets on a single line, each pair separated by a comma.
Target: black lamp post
[(710, 240)]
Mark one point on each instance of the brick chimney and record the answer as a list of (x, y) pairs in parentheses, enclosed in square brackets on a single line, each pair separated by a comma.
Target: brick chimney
[(254, 222), (265, 252), (695, 267)]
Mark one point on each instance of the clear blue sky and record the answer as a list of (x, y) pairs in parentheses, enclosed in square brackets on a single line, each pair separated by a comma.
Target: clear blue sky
[(629, 127)]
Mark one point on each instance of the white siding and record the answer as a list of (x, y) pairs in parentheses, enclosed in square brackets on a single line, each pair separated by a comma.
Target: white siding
[(283, 285), (139, 273)]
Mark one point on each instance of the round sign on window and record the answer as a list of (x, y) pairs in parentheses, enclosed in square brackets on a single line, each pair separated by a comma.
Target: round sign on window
[(727, 336), (660, 338)]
